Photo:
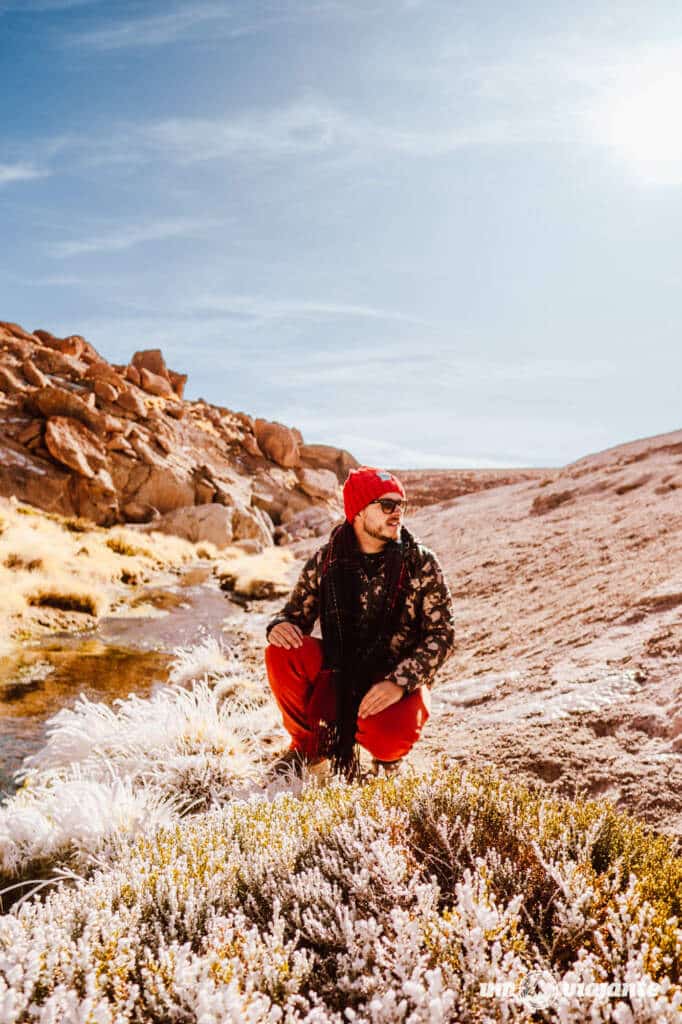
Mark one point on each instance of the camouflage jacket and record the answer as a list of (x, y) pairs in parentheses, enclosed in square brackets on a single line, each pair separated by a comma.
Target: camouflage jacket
[(425, 634)]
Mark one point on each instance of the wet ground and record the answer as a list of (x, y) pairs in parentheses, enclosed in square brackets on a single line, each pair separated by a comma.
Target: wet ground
[(126, 654)]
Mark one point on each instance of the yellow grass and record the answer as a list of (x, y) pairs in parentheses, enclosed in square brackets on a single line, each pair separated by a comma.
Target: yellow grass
[(65, 563), (265, 575)]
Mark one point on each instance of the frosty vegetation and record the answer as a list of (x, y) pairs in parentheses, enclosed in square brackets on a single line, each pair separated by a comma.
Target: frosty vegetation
[(183, 888)]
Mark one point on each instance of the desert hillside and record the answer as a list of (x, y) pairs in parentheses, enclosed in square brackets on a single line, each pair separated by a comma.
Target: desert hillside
[(568, 599)]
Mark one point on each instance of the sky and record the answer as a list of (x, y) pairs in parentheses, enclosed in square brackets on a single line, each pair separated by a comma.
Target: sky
[(435, 233)]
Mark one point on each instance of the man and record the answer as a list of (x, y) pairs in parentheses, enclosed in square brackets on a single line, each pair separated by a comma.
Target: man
[(387, 626)]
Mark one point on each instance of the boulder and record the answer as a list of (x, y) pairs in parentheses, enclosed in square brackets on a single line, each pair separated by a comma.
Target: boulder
[(133, 375), (212, 523), (102, 371), (51, 361), (250, 445), (32, 430), (10, 382), (277, 443), (52, 401), (96, 498), (178, 382), (157, 485), (325, 456), (34, 480), (309, 522), (33, 375), (155, 384), (106, 391), (204, 492), (131, 401), (252, 524), (150, 359), (318, 483), (74, 445), (74, 345), (15, 331), (136, 512), (174, 409)]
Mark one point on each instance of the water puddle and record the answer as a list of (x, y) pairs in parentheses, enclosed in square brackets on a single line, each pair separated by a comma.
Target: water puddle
[(127, 653)]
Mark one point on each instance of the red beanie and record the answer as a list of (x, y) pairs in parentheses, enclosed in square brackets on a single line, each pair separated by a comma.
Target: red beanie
[(366, 484)]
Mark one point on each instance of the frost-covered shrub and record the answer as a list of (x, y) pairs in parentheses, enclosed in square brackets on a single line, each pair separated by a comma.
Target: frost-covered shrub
[(207, 895)]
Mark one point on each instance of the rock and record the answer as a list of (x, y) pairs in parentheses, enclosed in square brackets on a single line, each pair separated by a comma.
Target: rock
[(204, 492), (16, 331), (30, 431), (32, 480), (211, 523), (277, 443), (158, 485), (324, 456), (310, 522), (33, 375), (150, 359), (319, 483), (121, 444), (245, 420), (155, 384), (250, 445), (107, 392), (133, 375), (131, 401), (52, 401), (103, 372), (53, 362), (21, 349), (71, 443), (10, 382), (175, 410), (145, 450), (71, 346), (96, 498), (137, 512), (252, 523), (298, 435), (178, 382)]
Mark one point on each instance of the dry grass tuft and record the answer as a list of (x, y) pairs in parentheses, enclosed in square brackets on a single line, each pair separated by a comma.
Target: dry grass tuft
[(265, 575)]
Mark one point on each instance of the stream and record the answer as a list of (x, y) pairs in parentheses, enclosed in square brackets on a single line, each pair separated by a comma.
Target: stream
[(125, 654)]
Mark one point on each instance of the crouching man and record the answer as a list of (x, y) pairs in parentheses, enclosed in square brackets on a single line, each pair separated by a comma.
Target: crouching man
[(387, 626)]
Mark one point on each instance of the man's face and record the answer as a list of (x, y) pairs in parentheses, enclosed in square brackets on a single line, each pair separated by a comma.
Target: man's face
[(379, 524)]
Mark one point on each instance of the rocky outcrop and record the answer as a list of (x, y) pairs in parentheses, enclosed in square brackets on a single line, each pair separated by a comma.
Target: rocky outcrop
[(278, 443), (75, 446), (118, 443), (324, 456), (318, 483)]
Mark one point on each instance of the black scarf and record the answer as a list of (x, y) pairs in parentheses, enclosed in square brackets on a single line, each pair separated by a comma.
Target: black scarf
[(356, 662)]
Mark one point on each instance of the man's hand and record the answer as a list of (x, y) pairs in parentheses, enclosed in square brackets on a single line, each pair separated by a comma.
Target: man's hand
[(380, 697), (285, 634)]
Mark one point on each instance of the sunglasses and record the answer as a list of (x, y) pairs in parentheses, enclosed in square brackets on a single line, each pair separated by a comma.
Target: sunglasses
[(389, 505)]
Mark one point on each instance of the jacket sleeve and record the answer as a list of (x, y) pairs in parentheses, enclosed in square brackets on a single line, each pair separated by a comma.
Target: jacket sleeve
[(437, 638), (303, 604)]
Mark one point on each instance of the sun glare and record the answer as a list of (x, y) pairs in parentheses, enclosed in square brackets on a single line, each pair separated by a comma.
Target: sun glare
[(646, 128)]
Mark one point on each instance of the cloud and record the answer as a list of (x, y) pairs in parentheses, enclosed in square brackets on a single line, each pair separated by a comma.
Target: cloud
[(195, 20), (119, 239), (10, 173), (152, 30), (262, 308), (42, 6)]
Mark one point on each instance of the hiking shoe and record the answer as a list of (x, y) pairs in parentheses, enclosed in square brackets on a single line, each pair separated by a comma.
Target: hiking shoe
[(387, 768), (294, 763)]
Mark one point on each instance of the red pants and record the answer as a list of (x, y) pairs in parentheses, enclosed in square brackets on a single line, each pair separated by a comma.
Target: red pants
[(296, 672)]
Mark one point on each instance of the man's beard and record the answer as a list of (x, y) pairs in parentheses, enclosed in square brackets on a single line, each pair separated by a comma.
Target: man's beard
[(381, 536)]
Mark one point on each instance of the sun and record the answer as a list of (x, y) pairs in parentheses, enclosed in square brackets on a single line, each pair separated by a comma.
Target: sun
[(646, 129)]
